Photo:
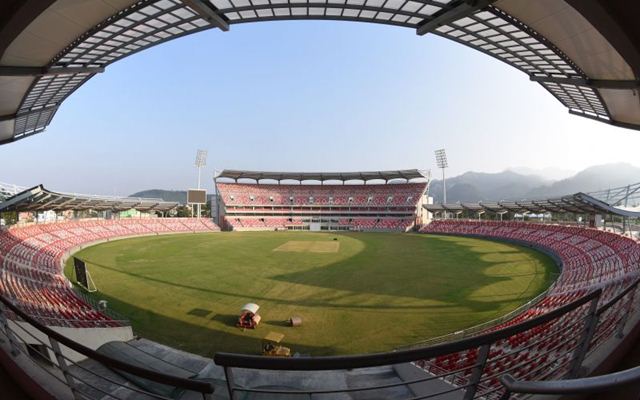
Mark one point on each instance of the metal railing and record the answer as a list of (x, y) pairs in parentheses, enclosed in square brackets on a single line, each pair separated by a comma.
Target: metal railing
[(24, 334), (614, 314), (561, 345), (595, 384), (550, 346), (611, 320)]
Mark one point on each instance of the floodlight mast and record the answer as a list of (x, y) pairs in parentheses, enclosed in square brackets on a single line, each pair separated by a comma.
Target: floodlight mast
[(441, 161), (201, 161)]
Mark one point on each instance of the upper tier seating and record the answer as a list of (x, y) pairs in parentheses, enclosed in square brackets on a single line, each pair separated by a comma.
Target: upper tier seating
[(31, 256), (252, 206), (390, 195)]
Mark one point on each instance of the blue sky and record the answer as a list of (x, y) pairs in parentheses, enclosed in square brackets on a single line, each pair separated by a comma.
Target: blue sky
[(304, 95)]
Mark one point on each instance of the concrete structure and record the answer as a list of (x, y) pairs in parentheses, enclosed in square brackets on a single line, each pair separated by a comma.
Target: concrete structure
[(586, 53)]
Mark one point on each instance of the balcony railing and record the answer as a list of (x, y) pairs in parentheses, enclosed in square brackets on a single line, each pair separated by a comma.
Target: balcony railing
[(551, 346), (22, 332), (563, 337)]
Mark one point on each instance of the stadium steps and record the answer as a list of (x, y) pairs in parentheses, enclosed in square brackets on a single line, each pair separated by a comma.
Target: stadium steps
[(193, 365), (366, 377), (342, 379), (291, 380), (89, 383), (148, 351), (170, 355), (409, 372)]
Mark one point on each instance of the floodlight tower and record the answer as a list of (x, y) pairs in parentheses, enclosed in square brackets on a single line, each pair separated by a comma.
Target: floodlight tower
[(201, 161), (441, 161)]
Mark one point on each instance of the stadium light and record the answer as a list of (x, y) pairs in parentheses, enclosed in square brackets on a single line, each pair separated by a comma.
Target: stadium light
[(201, 161), (441, 161)]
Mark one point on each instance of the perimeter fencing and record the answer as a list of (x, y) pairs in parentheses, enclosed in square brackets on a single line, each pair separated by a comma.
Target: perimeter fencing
[(95, 303)]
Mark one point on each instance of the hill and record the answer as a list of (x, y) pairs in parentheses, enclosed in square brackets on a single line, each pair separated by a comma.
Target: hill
[(591, 179), (511, 185), (481, 186)]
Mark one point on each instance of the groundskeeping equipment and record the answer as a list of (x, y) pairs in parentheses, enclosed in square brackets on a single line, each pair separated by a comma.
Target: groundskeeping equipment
[(249, 318), (271, 345)]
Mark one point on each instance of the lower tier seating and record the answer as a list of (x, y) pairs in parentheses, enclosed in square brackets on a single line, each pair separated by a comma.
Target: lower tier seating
[(355, 223), (590, 259), (31, 257)]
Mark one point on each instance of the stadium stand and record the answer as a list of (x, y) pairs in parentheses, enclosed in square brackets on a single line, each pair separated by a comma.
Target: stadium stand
[(590, 259), (371, 207), (590, 65), (31, 263)]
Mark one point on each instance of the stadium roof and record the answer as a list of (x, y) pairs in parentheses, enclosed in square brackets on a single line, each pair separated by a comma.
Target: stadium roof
[(40, 199), (7, 190), (586, 53), (624, 196), (407, 174), (579, 203)]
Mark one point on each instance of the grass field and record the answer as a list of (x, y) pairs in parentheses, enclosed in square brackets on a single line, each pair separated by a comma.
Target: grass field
[(365, 292)]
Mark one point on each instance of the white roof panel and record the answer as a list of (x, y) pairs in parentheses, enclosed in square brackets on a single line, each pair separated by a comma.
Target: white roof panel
[(545, 39)]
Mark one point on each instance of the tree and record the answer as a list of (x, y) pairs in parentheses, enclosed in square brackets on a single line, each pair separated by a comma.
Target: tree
[(183, 211), (9, 217)]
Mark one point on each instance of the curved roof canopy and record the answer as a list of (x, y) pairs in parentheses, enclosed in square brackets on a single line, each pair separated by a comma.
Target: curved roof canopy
[(40, 199), (586, 53), (579, 203), (8, 190), (407, 174)]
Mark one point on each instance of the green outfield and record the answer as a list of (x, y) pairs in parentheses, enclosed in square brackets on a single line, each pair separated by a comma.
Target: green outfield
[(364, 292)]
